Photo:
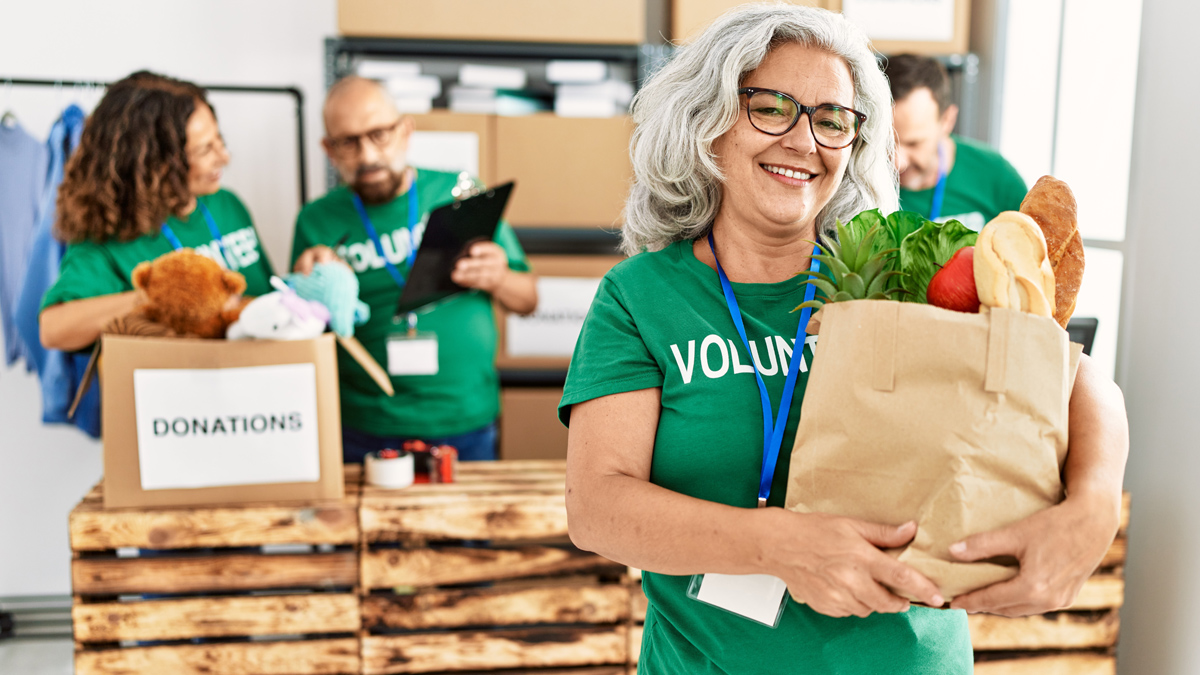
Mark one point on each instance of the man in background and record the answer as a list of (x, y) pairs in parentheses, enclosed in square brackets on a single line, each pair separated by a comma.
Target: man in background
[(373, 222), (944, 176)]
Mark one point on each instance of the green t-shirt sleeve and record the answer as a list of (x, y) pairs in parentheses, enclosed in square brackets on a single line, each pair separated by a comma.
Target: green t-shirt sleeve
[(86, 271), (507, 238), (611, 357)]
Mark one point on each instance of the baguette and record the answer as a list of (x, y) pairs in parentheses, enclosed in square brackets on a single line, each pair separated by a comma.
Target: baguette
[(1052, 206)]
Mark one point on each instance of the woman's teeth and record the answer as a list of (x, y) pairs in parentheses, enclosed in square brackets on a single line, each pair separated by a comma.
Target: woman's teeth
[(788, 172)]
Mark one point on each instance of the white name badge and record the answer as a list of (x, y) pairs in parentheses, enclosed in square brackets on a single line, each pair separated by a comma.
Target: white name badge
[(758, 597), (412, 354)]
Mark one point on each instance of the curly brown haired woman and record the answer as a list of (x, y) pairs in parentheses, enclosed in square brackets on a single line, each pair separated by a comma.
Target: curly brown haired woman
[(145, 180)]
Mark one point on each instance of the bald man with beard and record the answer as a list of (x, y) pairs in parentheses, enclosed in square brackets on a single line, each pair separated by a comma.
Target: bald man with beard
[(377, 216)]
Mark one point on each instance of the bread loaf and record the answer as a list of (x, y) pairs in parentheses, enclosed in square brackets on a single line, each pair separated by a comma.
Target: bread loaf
[(1052, 206), (1012, 269)]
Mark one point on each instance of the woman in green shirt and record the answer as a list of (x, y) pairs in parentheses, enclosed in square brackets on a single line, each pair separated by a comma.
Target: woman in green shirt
[(146, 179), (760, 134)]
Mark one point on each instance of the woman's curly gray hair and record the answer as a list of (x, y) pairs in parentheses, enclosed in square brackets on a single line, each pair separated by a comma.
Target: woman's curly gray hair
[(693, 100)]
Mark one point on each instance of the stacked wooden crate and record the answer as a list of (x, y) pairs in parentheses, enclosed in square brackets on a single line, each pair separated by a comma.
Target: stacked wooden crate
[(1079, 641), (480, 576), (193, 590), (476, 576)]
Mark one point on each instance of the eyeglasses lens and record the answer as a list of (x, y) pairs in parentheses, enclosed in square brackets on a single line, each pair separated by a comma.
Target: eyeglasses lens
[(833, 127)]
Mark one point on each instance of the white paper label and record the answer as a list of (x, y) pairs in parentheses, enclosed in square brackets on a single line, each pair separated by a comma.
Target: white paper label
[(418, 356), (754, 596), (917, 20), (553, 329), (214, 427)]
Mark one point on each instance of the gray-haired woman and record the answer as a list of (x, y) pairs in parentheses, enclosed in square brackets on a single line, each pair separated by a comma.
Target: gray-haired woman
[(772, 125)]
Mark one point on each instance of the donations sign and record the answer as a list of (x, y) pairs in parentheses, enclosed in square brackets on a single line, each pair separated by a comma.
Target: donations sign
[(214, 427)]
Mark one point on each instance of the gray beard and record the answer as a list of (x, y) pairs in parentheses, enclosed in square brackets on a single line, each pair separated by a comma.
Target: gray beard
[(379, 193)]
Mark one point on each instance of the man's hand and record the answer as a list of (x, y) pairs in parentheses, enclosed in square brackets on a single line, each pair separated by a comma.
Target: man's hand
[(311, 257), (1058, 549), (485, 267)]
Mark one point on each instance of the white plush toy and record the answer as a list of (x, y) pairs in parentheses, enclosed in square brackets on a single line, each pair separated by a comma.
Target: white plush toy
[(280, 315)]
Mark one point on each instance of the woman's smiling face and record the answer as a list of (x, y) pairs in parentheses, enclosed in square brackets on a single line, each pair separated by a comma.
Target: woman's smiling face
[(758, 190)]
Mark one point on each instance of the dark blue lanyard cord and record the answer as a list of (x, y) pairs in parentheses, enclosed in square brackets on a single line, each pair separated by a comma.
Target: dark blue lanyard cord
[(212, 228), (413, 216), (772, 434), (940, 190)]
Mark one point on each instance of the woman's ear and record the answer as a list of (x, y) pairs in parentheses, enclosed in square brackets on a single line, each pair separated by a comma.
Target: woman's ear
[(141, 275), (234, 282)]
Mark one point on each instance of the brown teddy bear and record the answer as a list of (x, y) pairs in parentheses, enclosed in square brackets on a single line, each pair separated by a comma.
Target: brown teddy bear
[(186, 293)]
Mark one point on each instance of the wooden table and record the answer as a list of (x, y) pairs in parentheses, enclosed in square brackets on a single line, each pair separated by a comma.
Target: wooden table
[(475, 576)]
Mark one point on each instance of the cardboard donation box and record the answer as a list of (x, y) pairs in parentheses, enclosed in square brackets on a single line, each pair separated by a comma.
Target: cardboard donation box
[(956, 421), (213, 422)]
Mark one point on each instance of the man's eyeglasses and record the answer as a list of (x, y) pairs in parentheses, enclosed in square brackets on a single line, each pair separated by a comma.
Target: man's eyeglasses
[(775, 113), (348, 146)]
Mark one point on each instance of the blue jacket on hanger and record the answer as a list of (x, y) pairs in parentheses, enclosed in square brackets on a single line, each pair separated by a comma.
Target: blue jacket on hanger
[(60, 372), (22, 179)]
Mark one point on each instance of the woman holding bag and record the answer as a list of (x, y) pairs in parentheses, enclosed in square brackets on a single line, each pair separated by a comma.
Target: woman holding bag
[(758, 136)]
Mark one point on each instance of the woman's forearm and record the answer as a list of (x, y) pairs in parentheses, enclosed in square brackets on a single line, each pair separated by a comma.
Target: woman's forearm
[(614, 510), (77, 324), (636, 523), (1099, 438)]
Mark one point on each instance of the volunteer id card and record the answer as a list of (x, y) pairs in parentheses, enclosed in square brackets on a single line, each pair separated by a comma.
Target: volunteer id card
[(758, 597)]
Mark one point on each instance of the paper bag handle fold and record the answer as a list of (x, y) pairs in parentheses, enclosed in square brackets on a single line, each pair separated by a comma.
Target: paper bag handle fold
[(883, 370), (996, 376)]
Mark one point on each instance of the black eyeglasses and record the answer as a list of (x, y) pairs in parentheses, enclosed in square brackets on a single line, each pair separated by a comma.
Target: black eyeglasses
[(775, 113), (345, 146)]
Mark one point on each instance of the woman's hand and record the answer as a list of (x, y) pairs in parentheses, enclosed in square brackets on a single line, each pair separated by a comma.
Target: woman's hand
[(1058, 549), (835, 565)]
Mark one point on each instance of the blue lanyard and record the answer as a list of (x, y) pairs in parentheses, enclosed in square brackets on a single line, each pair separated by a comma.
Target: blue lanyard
[(772, 434), (413, 216), (940, 190), (212, 228)]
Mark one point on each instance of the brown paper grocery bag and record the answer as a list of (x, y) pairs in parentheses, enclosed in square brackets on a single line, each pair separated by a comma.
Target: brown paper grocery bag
[(957, 421)]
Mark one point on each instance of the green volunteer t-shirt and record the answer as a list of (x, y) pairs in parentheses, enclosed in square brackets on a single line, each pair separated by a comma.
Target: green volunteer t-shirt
[(660, 320), (89, 269), (978, 188), (464, 395)]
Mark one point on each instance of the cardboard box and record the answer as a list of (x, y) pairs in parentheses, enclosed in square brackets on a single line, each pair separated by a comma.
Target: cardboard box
[(908, 26), (608, 22), (545, 339), (929, 27), (216, 422), (529, 426), (570, 172), (690, 17), (483, 126)]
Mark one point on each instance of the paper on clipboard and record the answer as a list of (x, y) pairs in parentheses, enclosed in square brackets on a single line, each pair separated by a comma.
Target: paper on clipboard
[(554, 328)]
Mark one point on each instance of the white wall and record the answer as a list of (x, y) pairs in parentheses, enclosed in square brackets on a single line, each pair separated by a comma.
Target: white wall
[(44, 471), (1161, 368)]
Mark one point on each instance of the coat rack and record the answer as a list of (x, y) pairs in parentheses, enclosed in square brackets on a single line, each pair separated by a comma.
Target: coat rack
[(294, 92)]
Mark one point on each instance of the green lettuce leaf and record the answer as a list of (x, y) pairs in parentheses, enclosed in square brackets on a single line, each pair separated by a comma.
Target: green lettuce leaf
[(900, 224), (923, 252)]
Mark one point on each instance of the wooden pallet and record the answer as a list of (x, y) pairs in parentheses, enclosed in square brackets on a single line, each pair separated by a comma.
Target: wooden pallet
[(203, 596), (1079, 641), (480, 576)]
